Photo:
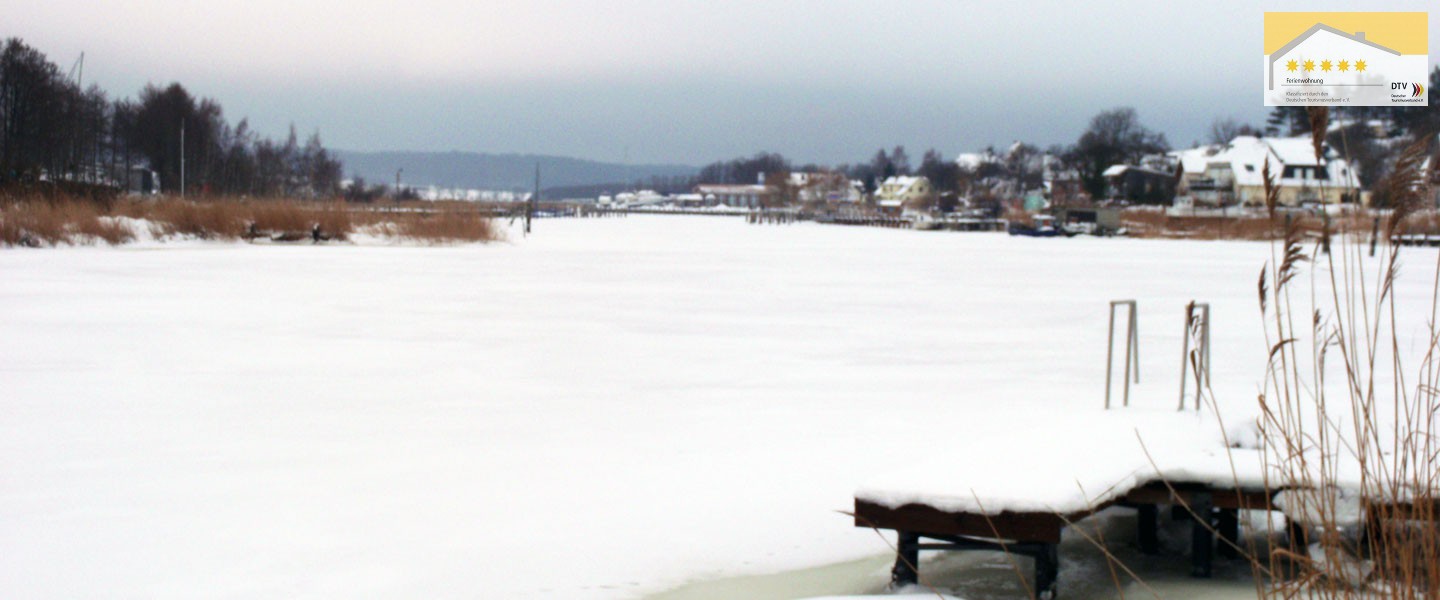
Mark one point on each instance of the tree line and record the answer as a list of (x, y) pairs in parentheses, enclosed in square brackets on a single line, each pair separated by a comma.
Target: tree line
[(1112, 137), (53, 129)]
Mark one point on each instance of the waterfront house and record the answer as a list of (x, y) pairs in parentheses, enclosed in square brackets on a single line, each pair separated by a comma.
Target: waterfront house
[(738, 196), (898, 192), (1141, 185)]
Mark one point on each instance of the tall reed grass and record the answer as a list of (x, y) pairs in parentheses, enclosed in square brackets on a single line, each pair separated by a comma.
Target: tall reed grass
[(50, 220), (1350, 407), (441, 227), (1157, 224), (1350, 402), (45, 222)]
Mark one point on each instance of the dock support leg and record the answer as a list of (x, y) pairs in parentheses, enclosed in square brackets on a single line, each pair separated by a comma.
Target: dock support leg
[(907, 559), (1047, 570), (1296, 536), (1227, 522), (1202, 537), (1147, 528)]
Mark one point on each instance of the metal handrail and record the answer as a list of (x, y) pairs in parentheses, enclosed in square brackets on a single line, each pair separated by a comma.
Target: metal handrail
[(1132, 349), (1194, 324)]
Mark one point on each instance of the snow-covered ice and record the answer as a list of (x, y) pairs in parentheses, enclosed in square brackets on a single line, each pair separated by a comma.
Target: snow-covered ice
[(607, 408)]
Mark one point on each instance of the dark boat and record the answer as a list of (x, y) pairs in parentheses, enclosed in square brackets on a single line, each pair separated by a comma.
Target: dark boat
[(1044, 226)]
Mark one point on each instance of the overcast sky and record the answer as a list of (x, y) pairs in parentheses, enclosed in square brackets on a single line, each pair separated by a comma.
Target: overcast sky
[(675, 80)]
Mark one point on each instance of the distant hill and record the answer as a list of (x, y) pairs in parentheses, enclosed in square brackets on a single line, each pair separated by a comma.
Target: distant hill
[(498, 171)]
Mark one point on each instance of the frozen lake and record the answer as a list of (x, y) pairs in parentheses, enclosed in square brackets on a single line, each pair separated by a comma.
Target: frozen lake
[(607, 409)]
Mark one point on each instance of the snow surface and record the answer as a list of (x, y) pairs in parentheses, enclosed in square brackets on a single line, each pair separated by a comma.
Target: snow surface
[(607, 408)]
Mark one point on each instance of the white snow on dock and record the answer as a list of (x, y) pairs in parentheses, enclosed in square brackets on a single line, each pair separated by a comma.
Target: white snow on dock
[(607, 408), (1073, 463)]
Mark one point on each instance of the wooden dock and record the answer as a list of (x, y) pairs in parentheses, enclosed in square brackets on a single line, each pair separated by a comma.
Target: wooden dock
[(868, 221), (968, 224), (874, 220), (1213, 511), (775, 217), (1417, 239), (1037, 534)]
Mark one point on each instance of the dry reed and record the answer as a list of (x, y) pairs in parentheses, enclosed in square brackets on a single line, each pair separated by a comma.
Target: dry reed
[(447, 227), (1340, 405), (50, 220), (1350, 402), (47, 222)]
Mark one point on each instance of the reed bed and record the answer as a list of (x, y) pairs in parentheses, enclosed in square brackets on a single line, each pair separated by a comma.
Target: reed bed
[(1348, 397), (440, 227), (50, 223), (33, 220), (1156, 224), (1342, 404), (1349, 404)]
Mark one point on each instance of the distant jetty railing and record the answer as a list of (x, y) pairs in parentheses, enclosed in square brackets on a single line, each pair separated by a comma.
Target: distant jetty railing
[(894, 222), (762, 216)]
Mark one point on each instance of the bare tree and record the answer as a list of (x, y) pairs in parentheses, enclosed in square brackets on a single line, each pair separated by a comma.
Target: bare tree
[(1225, 129), (1114, 137), (900, 160)]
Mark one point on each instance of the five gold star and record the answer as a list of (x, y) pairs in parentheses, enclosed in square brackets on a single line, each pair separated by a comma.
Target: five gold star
[(1359, 65), (1344, 65), (1309, 66), (1291, 66), (1325, 66)]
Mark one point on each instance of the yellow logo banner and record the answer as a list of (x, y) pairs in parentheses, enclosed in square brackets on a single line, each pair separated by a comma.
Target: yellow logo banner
[(1346, 58)]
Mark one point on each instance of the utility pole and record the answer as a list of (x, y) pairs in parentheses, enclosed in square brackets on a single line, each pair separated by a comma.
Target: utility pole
[(397, 182), (77, 72), (182, 158), (534, 197)]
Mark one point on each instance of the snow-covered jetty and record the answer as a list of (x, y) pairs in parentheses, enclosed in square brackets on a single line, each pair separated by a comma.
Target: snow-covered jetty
[(975, 497)]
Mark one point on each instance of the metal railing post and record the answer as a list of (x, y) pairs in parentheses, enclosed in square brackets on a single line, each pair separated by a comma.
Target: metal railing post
[(1132, 350), (1109, 356), (1135, 338), (1205, 349), (1202, 350)]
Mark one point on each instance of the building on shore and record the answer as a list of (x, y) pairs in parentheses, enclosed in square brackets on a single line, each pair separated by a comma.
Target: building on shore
[(738, 196), (1234, 173), (1142, 185), (901, 191)]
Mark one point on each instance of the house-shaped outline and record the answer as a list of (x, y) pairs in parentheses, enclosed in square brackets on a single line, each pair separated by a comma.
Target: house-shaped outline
[(1359, 36)]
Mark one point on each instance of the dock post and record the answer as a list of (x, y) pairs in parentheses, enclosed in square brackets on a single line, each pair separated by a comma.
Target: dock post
[(1202, 537), (1227, 523), (1296, 536), (1148, 527), (907, 559), (1047, 570)]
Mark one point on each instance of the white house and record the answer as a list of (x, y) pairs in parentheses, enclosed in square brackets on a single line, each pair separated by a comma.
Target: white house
[(1233, 173), (972, 161), (740, 196), (897, 192), (825, 187)]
